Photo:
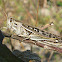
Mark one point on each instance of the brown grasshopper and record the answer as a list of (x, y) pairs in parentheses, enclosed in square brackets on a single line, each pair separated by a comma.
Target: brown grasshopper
[(30, 32)]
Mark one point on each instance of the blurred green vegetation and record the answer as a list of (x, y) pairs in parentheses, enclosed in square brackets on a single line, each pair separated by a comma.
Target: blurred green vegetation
[(59, 3)]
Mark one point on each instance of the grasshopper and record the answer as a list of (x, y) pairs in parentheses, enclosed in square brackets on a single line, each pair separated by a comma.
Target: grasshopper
[(30, 32)]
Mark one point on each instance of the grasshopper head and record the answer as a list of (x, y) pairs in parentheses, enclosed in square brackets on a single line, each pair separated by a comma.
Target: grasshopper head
[(13, 25), (10, 22)]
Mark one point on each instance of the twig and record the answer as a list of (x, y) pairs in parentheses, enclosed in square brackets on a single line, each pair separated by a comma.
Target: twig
[(50, 56), (37, 14), (47, 25), (33, 42), (4, 9)]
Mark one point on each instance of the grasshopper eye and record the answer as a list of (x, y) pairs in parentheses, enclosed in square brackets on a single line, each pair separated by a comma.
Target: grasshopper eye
[(15, 23), (10, 19)]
